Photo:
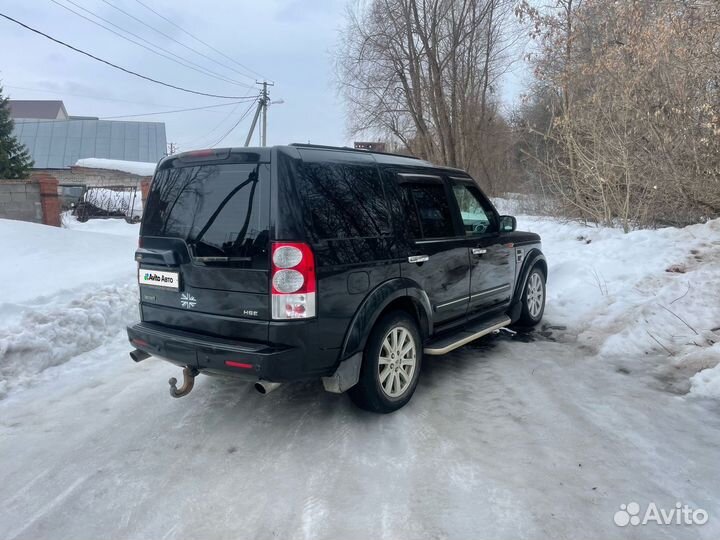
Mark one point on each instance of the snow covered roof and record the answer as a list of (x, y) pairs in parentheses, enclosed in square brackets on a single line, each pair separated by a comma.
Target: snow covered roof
[(132, 167)]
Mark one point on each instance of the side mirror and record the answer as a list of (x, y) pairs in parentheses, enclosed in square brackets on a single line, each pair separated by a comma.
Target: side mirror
[(508, 223)]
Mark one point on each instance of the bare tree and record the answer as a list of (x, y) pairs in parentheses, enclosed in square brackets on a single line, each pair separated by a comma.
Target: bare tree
[(426, 73)]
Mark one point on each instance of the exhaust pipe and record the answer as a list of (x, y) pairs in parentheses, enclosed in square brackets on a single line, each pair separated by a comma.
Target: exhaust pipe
[(265, 387), (139, 355)]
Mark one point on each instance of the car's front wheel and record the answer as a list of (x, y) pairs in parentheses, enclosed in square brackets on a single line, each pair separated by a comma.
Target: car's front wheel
[(391, 364), (533, 298)]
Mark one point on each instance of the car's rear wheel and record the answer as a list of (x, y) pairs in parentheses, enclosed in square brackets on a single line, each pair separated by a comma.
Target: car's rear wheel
[(533, 298), (391, 364)]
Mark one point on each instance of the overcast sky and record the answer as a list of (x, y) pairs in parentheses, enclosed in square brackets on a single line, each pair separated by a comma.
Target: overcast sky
[(287, 41)]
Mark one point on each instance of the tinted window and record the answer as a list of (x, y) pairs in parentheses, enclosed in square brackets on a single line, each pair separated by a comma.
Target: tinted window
[(342, 200), (477, 219), (432, 210), (216, 208)]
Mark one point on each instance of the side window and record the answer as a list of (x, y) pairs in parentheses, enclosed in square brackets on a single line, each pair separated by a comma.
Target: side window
[(428, 210), (476, 217), (343, 200)]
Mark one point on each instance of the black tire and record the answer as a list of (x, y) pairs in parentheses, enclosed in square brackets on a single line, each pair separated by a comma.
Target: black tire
[(369, 393), (531, 315)]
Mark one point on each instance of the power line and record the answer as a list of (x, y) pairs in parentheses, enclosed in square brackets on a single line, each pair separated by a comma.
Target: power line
[(167, 36), (168, 54), (63, 93), (177, 110), (194, 140), (71, 119), (229, 131), (115, 65), (200, 40)]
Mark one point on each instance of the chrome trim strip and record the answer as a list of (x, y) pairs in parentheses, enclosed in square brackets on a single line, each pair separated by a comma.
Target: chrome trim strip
[(452, 239), (453, 302), (490, 291), (419, 175)]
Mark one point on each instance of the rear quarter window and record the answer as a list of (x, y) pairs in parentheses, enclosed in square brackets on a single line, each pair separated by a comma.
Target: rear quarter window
[(341, 199)]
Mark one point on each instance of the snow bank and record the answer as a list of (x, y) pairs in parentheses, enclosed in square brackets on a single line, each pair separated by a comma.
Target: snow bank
[(65, 292), (51, 336), (706, 382), (41, 262), (133, 167), (628, 295)]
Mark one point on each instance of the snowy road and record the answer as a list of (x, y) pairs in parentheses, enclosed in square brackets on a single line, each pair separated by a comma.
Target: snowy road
[(507, 439)]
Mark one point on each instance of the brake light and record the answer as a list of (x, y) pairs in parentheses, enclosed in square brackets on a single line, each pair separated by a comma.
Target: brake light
[(292, 282), (200, 153)]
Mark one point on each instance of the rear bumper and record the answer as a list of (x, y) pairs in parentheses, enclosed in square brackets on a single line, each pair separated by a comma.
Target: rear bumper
[(251, 361)]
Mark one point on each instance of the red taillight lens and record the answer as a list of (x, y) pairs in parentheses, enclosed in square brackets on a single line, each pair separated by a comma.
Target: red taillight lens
[(241, 365), (293, 282)]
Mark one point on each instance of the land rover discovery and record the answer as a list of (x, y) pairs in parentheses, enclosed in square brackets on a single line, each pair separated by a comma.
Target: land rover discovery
[(302, 262)]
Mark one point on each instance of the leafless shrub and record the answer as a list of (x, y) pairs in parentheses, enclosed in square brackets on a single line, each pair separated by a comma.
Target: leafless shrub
[(622, 126)]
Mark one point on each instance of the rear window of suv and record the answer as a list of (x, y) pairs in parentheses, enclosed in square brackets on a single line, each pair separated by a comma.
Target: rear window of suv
[(215, 208)]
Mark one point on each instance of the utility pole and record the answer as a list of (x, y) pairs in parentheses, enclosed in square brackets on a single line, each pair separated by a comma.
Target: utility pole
[(263, 102), (172, 148), (266, 102)]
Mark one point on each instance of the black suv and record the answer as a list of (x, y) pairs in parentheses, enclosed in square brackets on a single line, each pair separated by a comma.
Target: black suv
[(304, 262)]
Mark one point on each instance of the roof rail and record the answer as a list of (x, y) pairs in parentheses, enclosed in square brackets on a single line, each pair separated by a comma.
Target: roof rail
[(348, 149)]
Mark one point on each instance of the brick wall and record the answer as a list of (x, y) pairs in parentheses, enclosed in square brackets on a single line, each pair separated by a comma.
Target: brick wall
[(35, 200), (95, 177), (20, 200), (49, 198)]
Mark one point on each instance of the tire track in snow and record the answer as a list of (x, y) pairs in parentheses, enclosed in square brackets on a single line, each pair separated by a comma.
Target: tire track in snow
[(57, 501), (45, 338)]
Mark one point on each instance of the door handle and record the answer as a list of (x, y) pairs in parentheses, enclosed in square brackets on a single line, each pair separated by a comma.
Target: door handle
[(418, 258), (479, 251)]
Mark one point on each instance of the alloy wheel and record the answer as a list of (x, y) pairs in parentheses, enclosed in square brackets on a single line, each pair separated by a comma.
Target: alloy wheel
[(535, 295), (397, 362)]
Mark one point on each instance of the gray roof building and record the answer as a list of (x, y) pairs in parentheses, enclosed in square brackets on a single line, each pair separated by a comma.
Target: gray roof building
[(59, 144), (37, 109), (56, 140)]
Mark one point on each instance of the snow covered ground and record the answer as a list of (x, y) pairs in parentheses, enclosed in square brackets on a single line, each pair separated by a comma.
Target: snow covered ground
[(614, 399)]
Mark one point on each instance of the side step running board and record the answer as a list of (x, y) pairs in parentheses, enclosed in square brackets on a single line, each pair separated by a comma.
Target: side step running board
[(452, 342)]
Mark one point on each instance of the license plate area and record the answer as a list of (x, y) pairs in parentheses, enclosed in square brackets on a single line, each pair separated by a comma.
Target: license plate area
[(159, 278)]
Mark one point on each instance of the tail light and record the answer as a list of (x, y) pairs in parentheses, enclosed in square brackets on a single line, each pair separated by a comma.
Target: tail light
[(292, 282)]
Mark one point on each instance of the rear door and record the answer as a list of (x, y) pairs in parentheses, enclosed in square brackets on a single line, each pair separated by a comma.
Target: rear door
[(492, 265), (432, 253), (207, 222)]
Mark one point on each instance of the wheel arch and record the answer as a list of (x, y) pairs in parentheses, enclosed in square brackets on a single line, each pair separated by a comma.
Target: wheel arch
[(395, 294), (534, 258)]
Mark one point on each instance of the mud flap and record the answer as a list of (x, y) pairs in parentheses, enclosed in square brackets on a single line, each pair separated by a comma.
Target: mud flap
[(346, 376)]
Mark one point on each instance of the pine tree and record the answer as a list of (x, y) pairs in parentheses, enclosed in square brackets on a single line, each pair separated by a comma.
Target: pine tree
[(15, 160)]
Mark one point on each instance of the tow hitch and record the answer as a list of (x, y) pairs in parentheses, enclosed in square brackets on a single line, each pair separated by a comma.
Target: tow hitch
[(189, 375)]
